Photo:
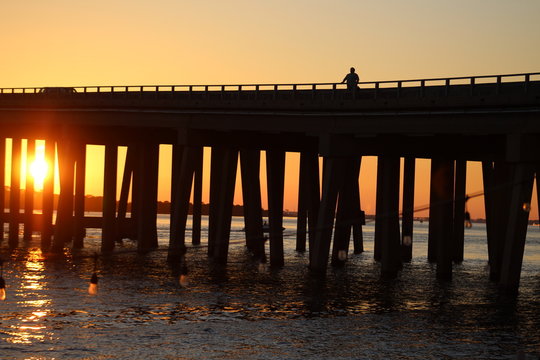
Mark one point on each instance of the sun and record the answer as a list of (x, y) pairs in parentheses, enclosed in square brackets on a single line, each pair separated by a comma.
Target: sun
[(39, 168)]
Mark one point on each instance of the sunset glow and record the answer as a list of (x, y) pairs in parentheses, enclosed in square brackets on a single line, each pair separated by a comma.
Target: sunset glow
[(260, 42), (39, 168)]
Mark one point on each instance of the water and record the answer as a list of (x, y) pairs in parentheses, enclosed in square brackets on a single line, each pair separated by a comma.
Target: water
[(243, 311)]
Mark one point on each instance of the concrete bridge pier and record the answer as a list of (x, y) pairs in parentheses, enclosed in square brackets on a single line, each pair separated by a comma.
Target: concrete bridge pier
[(80, 181), (346, 216), (334, 170), (360, 219), (308, 199), (407, 217), (459, 210), (2, 186), (14, 194), (223, 177), (522, 175), (29, 190), (125, 231), (441, 215), (145, 186), (109, 227), (197, 197), (251, 192), (186, 159), (63, 230), (48, 196), (275, 171), (497, 196), (387, 215)]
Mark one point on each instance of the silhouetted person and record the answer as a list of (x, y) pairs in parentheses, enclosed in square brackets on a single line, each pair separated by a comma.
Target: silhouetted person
[(352, 80)]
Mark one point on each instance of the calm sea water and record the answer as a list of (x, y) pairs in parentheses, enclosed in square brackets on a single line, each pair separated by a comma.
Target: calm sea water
[(243, 311)]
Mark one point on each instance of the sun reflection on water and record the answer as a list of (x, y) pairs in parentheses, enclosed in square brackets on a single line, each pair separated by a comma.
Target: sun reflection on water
[(30, 327)]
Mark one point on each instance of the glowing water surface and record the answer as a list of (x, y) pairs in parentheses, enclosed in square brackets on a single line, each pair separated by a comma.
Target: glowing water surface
[(247, 311)]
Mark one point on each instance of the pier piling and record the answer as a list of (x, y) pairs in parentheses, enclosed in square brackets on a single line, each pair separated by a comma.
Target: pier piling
[(29, 190), (14, 194), (275, 171)]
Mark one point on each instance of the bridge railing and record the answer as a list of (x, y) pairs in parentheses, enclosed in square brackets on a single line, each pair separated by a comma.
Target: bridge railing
[(471, 81)]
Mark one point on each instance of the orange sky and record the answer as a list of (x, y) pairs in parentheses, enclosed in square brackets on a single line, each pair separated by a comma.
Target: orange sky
[(120, 42)]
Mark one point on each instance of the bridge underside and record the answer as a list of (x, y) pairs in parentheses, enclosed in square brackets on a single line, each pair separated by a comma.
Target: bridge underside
[(498, 125)]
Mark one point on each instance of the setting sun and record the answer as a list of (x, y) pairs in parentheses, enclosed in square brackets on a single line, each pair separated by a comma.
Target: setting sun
[(39, 168)]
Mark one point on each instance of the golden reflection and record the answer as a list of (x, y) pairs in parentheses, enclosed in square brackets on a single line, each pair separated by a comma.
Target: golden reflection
[(31, 327), (39, 167), (34, 274)]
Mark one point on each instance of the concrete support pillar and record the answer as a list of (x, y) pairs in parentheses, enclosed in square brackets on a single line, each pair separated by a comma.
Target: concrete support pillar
[(29, 191), (108, 236), (223, 209), (379, 214), (183, 178), (514, 244), (2, 186), (407, 218), (488, 180), (250, 161), (63, 230), (314, 198), (346, 215), (127, 176), (146, 175), (15, 193), (80, 182), (136, 189), (275, 171), (441, 215), (333, 171), (303, 201), (48, 196), (360, 219), (432, 242), (217, 158), (388, 216), (197, 197), (459, 210)]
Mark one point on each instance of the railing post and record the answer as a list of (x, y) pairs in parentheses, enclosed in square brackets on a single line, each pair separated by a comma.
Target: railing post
[(527, 80), (499, 80), (447, 87), (377, 86), (422, 88), (473, 82)]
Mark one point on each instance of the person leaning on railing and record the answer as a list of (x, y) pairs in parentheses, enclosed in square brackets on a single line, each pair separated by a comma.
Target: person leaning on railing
[(352, 80)]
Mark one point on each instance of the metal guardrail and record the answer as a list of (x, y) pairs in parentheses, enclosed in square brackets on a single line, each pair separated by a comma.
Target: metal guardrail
[(472, 81)]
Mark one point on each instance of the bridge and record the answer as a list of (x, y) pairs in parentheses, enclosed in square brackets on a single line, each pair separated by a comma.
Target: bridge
[(492, 119)]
